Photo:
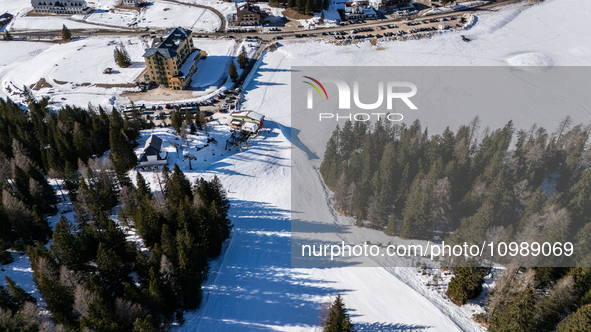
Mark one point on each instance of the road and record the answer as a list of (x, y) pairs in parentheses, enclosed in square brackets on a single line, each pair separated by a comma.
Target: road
[(287, 34)]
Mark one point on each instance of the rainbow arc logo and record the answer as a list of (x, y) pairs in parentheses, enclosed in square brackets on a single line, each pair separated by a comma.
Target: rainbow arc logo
[(316, 87)]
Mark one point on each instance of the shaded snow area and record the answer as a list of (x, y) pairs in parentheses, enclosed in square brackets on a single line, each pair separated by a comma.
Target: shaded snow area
[(212, 71), (167, 15), (71, 71)]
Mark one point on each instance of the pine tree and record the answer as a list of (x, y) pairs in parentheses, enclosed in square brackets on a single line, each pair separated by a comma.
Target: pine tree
[(579, 321), (325, 4), (330, 166), (142, 187), (233, 72), (337, 319), (301, 6), (466, 284), (144, 324), (122, 58), (147, 222), (122, 156), (168, 244), (309, 7), (321, 20), (65, 247), (19, 295), (188, 118), (192, 268), (66, 34), (177, 188), (417, 222), (243, 58), (7, 36), (391, 228), (516, 316), (176, 120), (291, 3)]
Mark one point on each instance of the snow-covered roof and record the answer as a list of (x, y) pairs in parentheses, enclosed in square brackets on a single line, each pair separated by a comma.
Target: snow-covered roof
[(251, 126), (186, 67), (248, 114), (154, 141), (167, 45)]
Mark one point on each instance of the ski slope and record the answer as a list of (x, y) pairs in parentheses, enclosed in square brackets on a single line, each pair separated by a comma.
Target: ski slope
[(251, 286)]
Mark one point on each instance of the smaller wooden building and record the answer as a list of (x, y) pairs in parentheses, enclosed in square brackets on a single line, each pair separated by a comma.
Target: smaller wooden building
[(239, 118), (153, 154)]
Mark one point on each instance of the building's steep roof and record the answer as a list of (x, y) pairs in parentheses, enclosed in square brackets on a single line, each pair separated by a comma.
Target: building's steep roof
[(248, 8), (80, 3), (154, 142), (168, 44), (249, 114)]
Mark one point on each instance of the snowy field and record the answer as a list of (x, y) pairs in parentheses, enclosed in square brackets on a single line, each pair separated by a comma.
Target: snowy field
[(120, 17), (15, 7), (212, 72), (252, 286), (102, 4), (166, 15), (226, 8), (32, 23), (71, 70), (462, 6)]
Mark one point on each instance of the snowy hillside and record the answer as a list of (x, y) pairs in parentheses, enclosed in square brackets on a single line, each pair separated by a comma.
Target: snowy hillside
[(254, 288)]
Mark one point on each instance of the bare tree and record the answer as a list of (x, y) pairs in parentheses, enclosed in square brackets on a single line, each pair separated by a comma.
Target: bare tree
[(126, 311), (82, 299)]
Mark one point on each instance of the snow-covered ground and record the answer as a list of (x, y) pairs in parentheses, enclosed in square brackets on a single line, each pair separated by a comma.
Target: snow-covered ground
[(227, 8), (15, 7), (166, 15), (212, 72), (32, 23), (122, 18), (106, 16), (461, 6), (72, 70), (103, 4), (252, 286)]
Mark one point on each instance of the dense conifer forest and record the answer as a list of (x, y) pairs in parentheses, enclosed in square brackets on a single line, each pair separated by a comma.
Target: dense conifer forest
[(478, 184), (90, 277)]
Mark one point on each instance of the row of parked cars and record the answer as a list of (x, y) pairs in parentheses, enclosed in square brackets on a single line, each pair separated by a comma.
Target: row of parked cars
[(334, 33), (358, 30), (240, 30)]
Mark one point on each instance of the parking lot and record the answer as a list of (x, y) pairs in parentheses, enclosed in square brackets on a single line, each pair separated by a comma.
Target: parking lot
[(160, 113), (398, 29)]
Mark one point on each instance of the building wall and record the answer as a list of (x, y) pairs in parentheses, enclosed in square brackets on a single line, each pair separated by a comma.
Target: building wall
[(130, 3), (162, 70), (64, 7), (248, 19)]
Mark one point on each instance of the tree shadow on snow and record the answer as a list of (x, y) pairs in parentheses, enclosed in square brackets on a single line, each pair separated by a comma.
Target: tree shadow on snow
[(256, 288), (384, 327)]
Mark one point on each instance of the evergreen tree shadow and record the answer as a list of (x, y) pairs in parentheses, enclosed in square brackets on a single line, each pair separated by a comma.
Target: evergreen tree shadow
[(252, 286), (384, 327)]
